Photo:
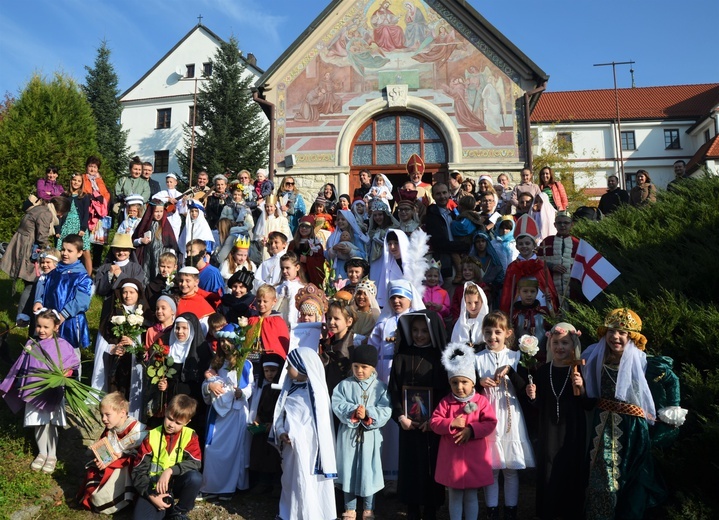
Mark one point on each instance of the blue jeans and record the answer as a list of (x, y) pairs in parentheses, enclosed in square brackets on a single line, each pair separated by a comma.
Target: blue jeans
[(184, 488), (351, 502)]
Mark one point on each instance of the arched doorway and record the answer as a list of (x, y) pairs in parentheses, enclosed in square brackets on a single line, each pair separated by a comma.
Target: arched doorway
[(384, 144)]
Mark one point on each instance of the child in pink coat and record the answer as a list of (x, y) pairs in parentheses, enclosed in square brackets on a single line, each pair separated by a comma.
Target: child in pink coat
[(435, 298), (464, 418)]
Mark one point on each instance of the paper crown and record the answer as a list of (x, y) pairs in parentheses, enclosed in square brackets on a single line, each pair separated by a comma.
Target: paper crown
[(415, 164), (367, 286), (526, 226), (434, 264), (242, 242), (623, 319)]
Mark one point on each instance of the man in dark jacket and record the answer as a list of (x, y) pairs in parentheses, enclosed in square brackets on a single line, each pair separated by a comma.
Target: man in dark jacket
[(614, 196), (437, 225)]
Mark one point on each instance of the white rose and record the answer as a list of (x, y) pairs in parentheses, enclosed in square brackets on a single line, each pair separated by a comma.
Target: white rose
[(138, 311), (135, 320), (243, 321), (117, 320), (529, 345)]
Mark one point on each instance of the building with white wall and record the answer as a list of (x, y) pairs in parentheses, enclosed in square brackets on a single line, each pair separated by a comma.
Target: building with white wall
[(657, 126), (160, 103)]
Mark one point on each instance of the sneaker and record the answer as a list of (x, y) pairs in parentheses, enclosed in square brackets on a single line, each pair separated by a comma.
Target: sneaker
[(205, 497), (225, 497)]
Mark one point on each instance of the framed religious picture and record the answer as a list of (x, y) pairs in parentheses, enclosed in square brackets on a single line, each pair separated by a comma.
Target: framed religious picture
[(103, 451), (417, 402)]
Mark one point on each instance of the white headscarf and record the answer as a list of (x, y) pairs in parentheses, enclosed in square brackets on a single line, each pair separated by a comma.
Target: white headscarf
[(307, 362), (359, 238), (199, 230), (632, 384), (180, 349), (409, 291), (390, 269), (545, 218), (470, 332)]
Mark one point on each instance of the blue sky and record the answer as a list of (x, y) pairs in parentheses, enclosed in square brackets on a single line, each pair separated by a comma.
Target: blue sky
[(671, 42)]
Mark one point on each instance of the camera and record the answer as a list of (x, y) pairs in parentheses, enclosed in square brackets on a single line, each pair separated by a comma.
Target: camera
[(169, 499)]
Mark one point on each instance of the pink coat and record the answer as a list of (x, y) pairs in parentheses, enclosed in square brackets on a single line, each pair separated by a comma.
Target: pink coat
[(437, 295), (468, 465)]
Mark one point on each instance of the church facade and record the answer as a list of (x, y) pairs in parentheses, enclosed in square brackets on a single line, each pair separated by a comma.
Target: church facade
[(372, 82)]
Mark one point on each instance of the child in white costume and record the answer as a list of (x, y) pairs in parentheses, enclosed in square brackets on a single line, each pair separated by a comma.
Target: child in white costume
[(227, 445), (509, 445), (468, 329), (303, 416)]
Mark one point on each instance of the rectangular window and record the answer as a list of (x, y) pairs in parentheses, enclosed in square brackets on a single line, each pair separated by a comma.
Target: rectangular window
[(631, 180), (207, 69), (190, 70), (628, 142), (671, 139), (707, 136), (564, 142), (162, 161), (163, 118), (198, 116)]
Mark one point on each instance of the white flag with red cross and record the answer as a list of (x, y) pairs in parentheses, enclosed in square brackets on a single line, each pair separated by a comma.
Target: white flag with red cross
[(592, 270)]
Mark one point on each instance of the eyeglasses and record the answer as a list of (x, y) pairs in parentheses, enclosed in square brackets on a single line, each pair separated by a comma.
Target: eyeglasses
[(404, 209)]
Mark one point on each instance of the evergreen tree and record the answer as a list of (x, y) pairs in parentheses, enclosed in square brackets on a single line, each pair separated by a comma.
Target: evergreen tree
[(50, 123), (230, 131), (666, 254), (104, 97)]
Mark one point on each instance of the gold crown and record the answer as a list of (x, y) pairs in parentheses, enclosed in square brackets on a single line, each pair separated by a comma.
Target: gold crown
[(242, 243), (623, 319)]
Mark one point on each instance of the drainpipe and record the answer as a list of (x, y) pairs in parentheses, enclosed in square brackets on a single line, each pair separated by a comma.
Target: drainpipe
[(269, 110), (528, 124)]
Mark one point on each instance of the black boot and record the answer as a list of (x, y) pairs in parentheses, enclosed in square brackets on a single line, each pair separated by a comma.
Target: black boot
[(430, 513), (510, 512), (413, 512), (493, 513)]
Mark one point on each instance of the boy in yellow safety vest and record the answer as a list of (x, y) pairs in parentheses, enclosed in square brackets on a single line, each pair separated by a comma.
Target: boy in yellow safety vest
[(167, 469)]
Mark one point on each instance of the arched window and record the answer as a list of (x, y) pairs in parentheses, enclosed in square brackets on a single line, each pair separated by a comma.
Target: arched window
[(385, 143)]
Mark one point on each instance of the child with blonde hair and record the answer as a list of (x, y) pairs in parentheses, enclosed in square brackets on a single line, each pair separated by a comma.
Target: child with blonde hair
[(107, 487)]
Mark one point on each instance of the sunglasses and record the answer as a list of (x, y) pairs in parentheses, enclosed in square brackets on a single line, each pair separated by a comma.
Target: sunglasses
[(289, 183)]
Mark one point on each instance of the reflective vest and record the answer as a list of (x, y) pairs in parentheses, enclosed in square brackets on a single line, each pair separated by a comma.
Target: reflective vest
[(161, 460)]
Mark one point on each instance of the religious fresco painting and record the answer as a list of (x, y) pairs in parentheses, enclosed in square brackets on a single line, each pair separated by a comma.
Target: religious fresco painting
[(382, 42)]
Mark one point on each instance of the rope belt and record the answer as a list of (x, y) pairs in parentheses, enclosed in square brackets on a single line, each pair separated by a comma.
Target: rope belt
[(620, 407)]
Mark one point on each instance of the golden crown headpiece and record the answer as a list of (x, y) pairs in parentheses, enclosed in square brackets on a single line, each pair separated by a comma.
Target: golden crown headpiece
[(242, 242), (623, 319)]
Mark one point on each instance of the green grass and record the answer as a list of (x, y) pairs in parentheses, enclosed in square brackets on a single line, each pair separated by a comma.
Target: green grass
[(20, 487)]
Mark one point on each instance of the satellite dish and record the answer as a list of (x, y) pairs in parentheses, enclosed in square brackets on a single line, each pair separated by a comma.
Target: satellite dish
[(178, 70)]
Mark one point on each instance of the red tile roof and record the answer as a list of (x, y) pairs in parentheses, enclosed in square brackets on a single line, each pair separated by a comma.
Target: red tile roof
[(709, 150), (670, 102)]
